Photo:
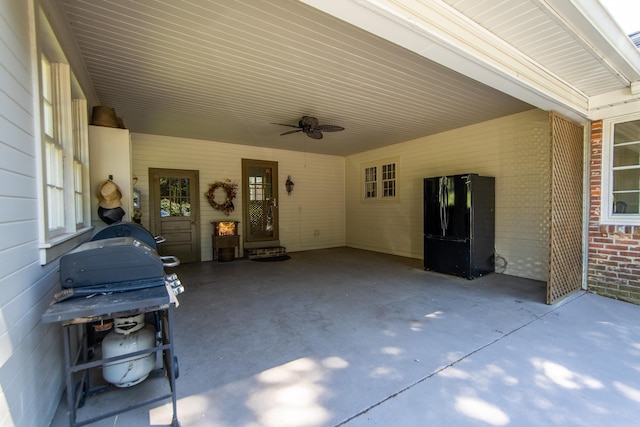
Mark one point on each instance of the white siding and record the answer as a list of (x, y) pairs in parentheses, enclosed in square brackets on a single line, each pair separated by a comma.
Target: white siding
[(514, 149), (30, 352), (311, 218)]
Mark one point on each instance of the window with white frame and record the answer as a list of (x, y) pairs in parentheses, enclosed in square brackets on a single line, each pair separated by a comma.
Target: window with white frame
[(621, 169), (380, 180), (371, 182), (80, 159), (65, 169), (53, 159), (389, 180)]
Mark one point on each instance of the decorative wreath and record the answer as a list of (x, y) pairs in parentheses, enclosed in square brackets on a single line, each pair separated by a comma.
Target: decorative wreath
[(231, 190)]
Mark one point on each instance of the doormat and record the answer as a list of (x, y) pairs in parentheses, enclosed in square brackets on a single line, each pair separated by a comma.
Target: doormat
[(272, 258)]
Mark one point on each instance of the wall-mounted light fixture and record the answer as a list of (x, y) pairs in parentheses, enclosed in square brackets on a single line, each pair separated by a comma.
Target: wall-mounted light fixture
[(289, 185)]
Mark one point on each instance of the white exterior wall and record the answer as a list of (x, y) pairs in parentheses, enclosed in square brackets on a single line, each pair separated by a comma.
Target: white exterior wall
[(316, 203), (514, 149), (31, 374)]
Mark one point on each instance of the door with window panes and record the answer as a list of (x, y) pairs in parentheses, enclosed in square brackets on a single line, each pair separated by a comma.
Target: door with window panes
[(260, 201), (174, 212)]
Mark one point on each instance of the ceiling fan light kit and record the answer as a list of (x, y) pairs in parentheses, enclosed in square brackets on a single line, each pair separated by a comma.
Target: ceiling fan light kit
[(311, 127)]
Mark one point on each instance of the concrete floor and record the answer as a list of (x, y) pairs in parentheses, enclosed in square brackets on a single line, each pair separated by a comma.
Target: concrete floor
[(345, 337)]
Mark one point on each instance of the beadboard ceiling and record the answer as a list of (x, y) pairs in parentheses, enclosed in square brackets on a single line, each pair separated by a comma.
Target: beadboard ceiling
[(224, 70)]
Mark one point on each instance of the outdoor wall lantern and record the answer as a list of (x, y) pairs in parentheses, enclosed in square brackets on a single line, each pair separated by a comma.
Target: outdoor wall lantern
[(289, 185)]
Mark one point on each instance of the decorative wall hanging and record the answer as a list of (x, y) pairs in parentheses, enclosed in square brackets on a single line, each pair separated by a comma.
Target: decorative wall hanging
[(289, 185), (223, 191)]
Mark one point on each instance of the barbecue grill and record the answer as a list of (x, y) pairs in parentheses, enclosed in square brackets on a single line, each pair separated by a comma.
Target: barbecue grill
[(122, 272), (121, 257)]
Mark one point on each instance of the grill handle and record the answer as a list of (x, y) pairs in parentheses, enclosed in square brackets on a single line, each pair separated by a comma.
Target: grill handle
[(170, 261), (159, 239)]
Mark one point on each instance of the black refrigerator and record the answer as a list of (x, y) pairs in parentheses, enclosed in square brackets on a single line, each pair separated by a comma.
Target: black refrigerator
[(459, 225)]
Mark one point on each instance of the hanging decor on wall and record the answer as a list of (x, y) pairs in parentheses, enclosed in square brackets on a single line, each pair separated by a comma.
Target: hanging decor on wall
[(289, 185), (221, 195)]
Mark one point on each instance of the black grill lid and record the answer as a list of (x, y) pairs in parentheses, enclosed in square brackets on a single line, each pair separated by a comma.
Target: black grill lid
[(116, 261)]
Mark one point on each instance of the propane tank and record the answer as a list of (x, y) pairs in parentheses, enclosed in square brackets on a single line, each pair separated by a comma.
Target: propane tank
[(129, 334)]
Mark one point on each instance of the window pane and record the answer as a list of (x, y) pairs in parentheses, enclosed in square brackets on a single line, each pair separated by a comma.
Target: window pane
[(389, 171), (370, 190), (389, 188), (175, 197), (46, 79), (626, 132), (626, 155), (55, 199), (626, 180), (48, 119), (626, 203), (77, 188), (47, 105)]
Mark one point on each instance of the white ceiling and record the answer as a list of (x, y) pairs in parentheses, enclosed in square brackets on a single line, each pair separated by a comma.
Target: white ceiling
[(224, 70)]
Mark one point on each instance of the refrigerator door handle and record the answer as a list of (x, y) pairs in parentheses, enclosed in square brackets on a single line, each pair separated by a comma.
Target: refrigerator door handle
[(443, 201)]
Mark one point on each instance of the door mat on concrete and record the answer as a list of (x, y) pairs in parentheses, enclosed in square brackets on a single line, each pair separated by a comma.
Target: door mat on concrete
[(272, 258)]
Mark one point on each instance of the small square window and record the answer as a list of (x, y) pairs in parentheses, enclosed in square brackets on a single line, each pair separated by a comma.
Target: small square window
[(380, 180)]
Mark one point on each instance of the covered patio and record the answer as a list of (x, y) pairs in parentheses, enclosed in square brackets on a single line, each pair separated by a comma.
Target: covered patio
[(346, 337)]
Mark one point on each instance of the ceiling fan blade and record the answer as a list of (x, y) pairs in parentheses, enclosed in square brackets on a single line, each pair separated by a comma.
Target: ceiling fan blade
[(290, 132), (314, 133), (282, 124), (329, 128)]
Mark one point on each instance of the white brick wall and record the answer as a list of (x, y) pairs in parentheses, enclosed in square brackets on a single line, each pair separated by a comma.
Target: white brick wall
[(514, 149)]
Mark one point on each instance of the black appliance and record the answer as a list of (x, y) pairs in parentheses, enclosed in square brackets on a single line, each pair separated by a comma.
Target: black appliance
[(116, 264), (112, 262), (459, 225)]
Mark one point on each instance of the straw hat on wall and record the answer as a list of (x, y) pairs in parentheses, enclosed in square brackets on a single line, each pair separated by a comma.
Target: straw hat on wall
[(109, 195)]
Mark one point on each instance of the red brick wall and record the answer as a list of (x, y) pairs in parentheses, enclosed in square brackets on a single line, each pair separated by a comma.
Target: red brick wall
[(614, 250)]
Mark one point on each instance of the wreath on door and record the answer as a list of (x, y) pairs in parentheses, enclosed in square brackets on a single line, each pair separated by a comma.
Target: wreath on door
[(230, 190)]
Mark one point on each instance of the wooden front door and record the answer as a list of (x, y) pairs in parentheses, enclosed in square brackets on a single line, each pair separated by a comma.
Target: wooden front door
[(260, 202), (174, 212)]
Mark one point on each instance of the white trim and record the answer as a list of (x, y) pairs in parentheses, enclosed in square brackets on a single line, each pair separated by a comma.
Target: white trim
[(606, 215), (586, 201)]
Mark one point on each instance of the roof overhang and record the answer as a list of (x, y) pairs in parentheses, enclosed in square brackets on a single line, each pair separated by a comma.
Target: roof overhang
[(437, 31)]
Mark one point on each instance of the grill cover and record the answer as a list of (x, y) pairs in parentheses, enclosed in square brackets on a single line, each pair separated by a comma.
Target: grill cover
[(118, 261)]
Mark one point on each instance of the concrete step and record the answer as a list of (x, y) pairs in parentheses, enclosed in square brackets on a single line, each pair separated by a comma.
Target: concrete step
[(269, 252)]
